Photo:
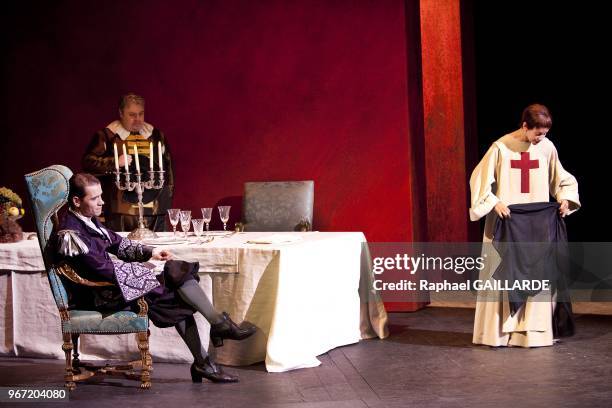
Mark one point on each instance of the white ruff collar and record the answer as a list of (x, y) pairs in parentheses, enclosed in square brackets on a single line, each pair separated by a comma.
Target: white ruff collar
[(123, 133)]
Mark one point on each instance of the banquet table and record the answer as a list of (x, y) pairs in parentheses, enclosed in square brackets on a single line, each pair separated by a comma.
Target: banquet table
[(307, 293)]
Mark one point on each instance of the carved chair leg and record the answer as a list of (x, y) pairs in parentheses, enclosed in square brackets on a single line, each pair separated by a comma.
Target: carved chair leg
[(143, 345), (68, 375), (75, 354)]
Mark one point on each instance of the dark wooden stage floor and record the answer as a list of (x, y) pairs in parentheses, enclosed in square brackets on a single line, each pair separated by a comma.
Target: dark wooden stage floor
[(428, 361)]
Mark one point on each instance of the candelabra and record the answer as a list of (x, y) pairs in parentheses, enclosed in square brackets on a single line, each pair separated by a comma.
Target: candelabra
[(142, 232)]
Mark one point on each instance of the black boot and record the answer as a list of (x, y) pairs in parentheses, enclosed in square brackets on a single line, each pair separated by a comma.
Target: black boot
[(227, 329), (211, 371)]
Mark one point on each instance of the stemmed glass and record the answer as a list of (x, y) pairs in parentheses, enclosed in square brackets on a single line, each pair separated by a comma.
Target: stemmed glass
[(206, 215), (224, 214), (185, 221), (198, 227), (174, 214)]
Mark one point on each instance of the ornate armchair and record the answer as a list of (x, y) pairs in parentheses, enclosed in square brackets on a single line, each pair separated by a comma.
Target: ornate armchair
[(48, 191), (278, 205)]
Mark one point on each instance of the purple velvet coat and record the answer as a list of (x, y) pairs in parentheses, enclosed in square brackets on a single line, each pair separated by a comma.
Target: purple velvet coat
[(131, 276)]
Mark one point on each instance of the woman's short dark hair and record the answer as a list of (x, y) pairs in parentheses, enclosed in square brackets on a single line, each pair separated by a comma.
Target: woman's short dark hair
[(78, 183), (536, 116)]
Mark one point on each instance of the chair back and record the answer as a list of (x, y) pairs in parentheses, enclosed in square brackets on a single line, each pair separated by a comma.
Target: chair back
[(277, 205), (48, 191)]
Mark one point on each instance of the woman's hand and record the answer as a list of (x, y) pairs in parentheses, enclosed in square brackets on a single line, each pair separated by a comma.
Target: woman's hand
[(502, 210), (563, 208), (162, 254)]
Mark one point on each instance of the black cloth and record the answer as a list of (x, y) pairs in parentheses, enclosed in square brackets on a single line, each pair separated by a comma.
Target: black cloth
[(532, 244), (166, 307)]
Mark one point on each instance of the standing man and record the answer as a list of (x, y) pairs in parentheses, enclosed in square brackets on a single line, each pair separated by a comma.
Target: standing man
[(130, 130)]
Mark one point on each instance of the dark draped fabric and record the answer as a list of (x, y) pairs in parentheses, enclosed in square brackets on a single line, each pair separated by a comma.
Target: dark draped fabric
[(532, 244)]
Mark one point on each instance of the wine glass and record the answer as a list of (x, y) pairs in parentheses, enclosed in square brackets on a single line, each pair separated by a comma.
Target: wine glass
[(206, 215), (185, 221), (198, 227), (174, 214), (224, 214)]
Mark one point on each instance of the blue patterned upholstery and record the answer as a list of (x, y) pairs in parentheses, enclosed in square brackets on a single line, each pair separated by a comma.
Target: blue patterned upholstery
[(57, 287), (277, 205), (48, 189), (87, 321)]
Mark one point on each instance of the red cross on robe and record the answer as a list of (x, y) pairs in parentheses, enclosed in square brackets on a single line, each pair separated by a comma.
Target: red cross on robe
[(525, 165)]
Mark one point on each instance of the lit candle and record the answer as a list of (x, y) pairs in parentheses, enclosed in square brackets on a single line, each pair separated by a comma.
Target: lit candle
[(125, 160), (116, 157), (137, 161), (161, 158), (151, 156)]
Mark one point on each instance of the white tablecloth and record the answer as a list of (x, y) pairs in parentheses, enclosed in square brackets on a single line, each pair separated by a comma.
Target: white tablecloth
[(303, 296), (30, 323)]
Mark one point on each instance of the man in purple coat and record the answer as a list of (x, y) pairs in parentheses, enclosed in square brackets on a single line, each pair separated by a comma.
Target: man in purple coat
[(173, 296)]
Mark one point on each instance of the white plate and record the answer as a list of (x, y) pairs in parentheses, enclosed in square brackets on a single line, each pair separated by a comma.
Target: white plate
[(218, 233), (275, 239), (164, 241)]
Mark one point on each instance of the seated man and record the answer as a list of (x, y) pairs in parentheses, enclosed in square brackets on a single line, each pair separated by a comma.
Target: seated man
[(173, 296)]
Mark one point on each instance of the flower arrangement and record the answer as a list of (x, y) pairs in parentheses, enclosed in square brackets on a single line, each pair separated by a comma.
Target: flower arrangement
[(10, 210), (10, 203)]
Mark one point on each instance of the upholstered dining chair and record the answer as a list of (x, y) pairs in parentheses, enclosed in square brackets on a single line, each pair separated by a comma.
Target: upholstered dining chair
[(48, 191), (278, 205)]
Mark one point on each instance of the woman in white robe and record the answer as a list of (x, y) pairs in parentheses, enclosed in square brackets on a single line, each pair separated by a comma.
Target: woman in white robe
[(520, 167)]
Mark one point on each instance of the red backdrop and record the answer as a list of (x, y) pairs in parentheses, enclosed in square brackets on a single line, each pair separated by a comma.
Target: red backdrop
[(244, 90), (363, 97)]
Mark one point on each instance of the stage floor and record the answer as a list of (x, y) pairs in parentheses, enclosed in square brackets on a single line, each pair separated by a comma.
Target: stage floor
[(428, 361)]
